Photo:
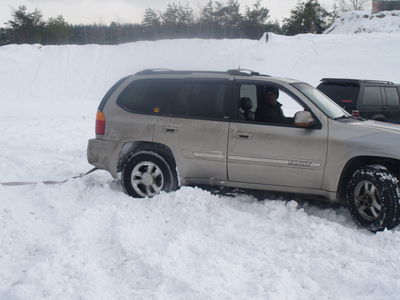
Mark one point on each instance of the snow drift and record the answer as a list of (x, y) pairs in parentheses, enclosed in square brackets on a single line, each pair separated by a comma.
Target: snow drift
[(87, 239), (84, 73), (366, 22)]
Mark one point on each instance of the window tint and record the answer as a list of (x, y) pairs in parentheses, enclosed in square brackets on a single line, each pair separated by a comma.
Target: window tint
[(372, 95), (392, 96), (343, 94), (204, 100), (149, 96)]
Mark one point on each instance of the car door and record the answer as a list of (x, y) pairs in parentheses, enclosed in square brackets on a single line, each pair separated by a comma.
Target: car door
[(197, 129), (276, 154)]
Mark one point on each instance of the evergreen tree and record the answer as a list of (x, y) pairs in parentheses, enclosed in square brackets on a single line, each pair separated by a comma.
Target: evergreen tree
[(57, 31), (254, 20), (229, 14), (207, 15), (306, 17), (177, 14), (151, 18), (25, 27)]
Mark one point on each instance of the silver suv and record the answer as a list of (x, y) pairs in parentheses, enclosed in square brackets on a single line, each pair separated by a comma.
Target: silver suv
[(161, 129)]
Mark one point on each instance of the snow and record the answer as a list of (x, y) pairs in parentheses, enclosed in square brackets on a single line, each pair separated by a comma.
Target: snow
[(87, 239), (366, 22)]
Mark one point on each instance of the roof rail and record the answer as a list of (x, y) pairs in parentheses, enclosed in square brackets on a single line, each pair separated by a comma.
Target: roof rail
[(245, 72), (357, 80), (378, 81), (240, 72), (152, 71)]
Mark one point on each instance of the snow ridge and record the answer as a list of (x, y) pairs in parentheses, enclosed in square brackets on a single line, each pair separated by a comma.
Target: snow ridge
[(366, 22)]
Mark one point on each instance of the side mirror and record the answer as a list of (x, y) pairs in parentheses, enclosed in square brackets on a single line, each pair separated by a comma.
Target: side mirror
[(303, 119)]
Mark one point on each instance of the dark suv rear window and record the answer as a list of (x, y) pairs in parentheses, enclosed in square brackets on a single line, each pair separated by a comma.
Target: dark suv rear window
[(344, 94)]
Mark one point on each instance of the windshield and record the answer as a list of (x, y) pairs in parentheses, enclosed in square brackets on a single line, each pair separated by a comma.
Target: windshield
[(326, 105)]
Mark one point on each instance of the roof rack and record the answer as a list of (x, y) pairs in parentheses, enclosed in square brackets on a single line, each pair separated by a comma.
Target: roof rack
[(245, 72), (237, 72), (357, 80), (152, 71), (378, 81)]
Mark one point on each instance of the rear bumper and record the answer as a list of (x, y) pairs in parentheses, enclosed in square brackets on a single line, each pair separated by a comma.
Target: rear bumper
[(104, 155)]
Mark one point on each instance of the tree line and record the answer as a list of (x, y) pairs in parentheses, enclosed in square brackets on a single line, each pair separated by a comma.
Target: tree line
[(216, 20)]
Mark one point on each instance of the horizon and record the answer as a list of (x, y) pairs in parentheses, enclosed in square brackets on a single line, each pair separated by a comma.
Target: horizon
[(124, 11)]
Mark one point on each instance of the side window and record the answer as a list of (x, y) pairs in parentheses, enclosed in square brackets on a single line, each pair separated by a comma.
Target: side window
[(372, 95), (392, 96), (267, 104), (149, 96), (247, 102), (203, 100)]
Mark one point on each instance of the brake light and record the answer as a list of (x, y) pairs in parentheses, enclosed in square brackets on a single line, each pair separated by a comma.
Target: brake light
[(100, 123), (355, 113)]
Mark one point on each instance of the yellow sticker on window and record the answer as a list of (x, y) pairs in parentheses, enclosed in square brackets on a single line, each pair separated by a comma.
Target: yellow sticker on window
[(156, 109)]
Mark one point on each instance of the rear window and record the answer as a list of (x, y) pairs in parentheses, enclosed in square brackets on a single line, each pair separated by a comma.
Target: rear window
[(110, 92), (344, 94), (372, 95), (174, 97), (149, 96)]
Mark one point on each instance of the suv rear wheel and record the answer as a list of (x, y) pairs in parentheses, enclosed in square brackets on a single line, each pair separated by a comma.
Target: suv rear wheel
[(373, 197), (146, 174)]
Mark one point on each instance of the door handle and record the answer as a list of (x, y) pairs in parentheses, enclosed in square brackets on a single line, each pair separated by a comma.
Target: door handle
[(243, 135), (170, 129)]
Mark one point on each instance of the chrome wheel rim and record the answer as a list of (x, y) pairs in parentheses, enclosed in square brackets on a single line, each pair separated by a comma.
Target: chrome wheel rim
[(147, 179), (368, 200)]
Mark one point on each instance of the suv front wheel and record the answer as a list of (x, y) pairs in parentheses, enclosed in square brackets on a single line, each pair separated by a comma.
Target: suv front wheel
[(146, 174), (373, 197)]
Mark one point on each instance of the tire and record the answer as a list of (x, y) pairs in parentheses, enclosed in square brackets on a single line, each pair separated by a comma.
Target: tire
[(372, 196), (146, 173)]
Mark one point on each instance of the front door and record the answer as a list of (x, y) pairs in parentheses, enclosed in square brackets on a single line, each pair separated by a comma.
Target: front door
[(274, 152)]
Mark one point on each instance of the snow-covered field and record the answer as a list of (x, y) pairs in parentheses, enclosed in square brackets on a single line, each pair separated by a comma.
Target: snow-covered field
[(85, 239)]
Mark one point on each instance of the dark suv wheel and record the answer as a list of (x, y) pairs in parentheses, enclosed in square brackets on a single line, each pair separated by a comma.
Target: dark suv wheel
[(373, 196), (147, 173)]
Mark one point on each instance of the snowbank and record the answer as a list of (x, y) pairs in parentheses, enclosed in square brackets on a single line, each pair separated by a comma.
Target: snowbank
[(366, 22), (66, 73), (87, 239)]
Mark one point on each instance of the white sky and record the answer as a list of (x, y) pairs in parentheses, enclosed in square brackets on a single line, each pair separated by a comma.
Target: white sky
[(106, 11)]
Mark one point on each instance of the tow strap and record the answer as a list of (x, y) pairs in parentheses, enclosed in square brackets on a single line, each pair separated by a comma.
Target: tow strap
[(18, 183)]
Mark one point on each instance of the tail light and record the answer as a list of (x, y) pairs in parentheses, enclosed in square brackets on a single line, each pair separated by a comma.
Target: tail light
[(100, 123), (355, 113)]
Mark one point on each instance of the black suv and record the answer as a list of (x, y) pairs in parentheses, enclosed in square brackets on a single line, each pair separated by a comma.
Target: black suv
[(370, 99)]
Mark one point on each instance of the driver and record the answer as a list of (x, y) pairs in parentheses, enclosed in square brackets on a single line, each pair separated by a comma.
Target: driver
[(270, 110)]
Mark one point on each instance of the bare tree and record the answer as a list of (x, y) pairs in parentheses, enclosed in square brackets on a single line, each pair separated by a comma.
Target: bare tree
[(348, 5)]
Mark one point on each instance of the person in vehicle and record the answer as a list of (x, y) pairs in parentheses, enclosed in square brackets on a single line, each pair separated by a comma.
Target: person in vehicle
[(270, 110)]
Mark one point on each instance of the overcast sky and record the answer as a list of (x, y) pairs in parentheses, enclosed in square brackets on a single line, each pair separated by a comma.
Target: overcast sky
[(106, 11)]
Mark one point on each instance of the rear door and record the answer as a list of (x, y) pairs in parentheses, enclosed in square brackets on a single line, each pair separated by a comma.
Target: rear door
[(197, 129)]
